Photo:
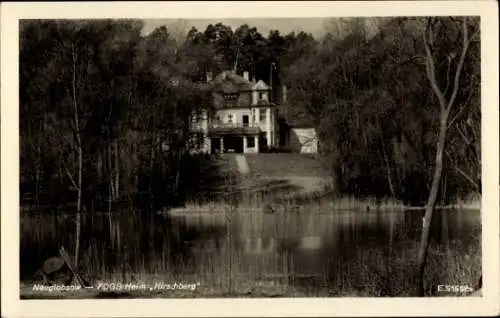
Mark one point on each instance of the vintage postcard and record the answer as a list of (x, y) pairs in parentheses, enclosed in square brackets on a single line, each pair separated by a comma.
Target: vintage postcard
[(250, 158)]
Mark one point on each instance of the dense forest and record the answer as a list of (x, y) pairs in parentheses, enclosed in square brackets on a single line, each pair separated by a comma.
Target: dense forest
[(105, 110)]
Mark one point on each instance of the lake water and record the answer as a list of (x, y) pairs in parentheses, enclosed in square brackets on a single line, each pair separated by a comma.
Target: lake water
[(317, 253)]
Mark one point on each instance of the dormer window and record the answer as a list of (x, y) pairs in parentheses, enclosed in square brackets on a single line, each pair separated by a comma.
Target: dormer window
[(261, 95), (230, 97)]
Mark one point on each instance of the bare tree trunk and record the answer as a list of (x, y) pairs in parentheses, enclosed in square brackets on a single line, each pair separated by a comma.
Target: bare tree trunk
[(79, 205), (38, 173), (178, 172), (426, 221), (117, 171), (388, 168), (110, 171), (79, 150), (109, 209), (99, 165), (151, 166), (110, 195), (445, 107)]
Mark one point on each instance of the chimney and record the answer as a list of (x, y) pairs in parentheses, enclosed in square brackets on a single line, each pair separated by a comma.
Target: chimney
[(209, 77), (245, 75), (284, 93)]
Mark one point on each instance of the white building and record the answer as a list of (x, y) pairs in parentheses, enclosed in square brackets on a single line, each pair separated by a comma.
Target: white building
[(244, 120)]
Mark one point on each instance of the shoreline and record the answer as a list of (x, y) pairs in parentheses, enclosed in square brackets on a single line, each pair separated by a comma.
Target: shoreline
[(331, 207)]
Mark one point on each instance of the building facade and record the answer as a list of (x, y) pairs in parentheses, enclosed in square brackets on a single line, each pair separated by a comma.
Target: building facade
[(242, 119)]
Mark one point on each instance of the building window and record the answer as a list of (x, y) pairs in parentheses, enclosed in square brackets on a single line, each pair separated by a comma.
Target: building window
[(261, 95), (245, 120), (200, 139), (230, 118), (263, 115), (230, 99), (250, 142)]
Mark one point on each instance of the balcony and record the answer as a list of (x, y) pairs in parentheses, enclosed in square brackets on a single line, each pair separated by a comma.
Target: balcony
[(218, 128), (219, 124)]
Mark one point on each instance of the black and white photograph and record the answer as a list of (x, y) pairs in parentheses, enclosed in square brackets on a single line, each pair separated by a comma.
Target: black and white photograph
[(252, 157)]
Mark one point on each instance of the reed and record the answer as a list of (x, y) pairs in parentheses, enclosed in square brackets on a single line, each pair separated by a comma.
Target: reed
[(142, 250)]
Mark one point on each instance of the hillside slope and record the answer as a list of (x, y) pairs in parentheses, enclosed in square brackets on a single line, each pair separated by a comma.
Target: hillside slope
[(284, 165), (279, 175)]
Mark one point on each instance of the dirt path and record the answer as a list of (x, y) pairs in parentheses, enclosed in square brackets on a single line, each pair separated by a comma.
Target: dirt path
[(241, 161)]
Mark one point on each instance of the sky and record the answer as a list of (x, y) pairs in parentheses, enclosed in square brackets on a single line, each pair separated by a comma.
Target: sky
[(284, 25)]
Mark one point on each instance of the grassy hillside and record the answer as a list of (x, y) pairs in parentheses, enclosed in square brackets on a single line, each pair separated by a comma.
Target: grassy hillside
[(281, 165), (281, 176)]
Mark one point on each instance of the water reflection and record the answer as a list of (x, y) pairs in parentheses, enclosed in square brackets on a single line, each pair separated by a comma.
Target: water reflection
[(304, 243)]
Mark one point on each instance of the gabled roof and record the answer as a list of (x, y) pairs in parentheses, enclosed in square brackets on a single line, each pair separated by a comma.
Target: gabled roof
[(230, 82), (261, 86)]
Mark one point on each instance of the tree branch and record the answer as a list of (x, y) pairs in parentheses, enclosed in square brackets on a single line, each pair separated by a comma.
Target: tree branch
[(461, 109), (461, 172), (430, 68), (460, 65), (447, 77), (70, 176), (75, 107), (467, 177), (463, 136)]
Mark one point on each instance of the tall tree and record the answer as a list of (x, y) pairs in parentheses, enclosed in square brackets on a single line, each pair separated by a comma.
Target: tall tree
[(434, 29)]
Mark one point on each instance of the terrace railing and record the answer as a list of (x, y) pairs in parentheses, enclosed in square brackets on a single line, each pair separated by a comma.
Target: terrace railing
[(218, 124)]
